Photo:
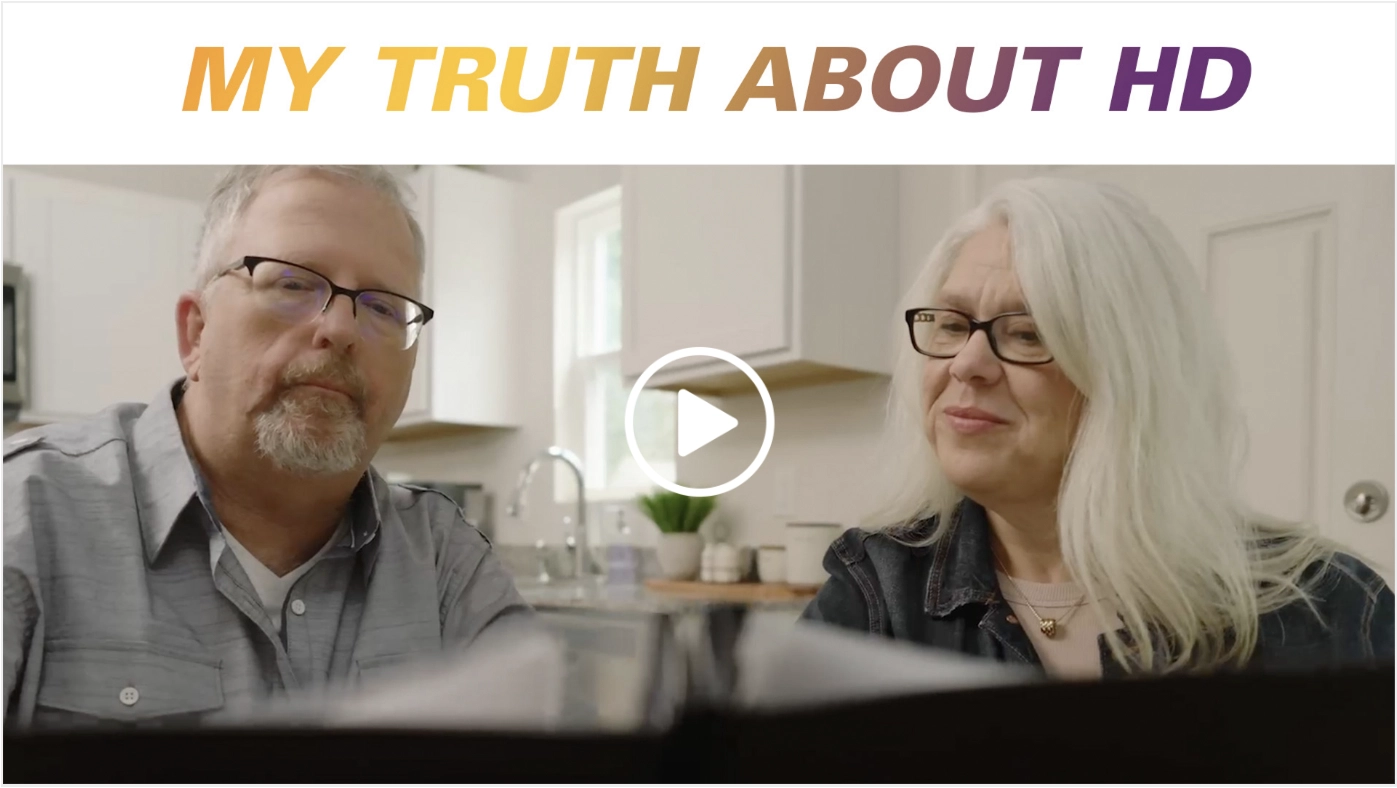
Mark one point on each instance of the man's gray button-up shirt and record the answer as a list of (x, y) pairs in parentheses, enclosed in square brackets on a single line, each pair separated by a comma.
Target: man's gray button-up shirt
[(122, 603)]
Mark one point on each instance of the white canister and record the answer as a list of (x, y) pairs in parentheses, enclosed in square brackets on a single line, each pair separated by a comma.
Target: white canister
[(806, 544), (706, 563), (771, 564), (725, 569)]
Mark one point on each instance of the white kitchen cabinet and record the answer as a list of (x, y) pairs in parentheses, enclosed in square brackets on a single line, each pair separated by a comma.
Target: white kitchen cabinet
[(9, 212), (468, 373), (105, 267), (794, 269)]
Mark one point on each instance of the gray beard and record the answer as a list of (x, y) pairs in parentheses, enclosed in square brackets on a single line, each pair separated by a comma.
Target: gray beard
[(312, 434)]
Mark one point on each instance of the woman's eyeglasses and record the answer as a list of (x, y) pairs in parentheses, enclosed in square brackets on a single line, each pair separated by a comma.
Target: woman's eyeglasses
[(943, 333)]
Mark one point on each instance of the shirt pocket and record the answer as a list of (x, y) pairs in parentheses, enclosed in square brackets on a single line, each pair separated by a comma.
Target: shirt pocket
[(126, 682), (373, 671)]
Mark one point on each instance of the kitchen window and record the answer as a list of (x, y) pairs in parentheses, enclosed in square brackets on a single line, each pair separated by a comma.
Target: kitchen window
[(589, 391)]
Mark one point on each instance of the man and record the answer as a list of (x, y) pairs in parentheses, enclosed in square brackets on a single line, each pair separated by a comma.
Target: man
[(229, 543)]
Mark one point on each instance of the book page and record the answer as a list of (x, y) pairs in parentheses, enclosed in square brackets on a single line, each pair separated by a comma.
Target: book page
[(783, 664)]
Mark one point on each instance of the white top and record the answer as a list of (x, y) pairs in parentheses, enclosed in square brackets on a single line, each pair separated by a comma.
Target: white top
[(271, 588)]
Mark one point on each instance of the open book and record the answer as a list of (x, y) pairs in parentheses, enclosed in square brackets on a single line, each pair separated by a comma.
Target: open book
[(733, 696), (641, 672)]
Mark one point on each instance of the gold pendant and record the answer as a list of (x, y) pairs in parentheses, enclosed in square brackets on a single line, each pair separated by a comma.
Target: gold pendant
[(1048, 626)]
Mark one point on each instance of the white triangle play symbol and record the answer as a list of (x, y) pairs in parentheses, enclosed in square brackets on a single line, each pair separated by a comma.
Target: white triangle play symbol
[(699, 423)]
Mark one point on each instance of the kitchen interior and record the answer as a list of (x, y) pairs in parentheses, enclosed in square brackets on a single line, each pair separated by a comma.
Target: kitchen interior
[(490, 394), (555, 287), (508, 413)]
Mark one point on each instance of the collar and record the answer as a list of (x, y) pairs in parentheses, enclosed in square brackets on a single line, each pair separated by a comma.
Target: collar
[(163, 475), (371, 505), (166, 479), (962, 573), (962, 569)]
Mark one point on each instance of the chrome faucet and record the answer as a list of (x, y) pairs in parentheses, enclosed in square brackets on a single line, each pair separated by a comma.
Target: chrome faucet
[(582, 558)]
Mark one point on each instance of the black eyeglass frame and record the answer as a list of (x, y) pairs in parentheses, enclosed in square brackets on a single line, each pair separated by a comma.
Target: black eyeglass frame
[(975, 325), (250, 262)]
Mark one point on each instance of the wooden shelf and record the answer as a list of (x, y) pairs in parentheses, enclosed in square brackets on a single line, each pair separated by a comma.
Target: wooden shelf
[(732, 592)]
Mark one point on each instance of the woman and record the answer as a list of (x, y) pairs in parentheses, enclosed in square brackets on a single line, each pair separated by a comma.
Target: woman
[(1067, 441)]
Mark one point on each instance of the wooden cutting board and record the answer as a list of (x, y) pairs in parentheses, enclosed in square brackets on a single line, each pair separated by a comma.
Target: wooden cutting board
[(732, 592)]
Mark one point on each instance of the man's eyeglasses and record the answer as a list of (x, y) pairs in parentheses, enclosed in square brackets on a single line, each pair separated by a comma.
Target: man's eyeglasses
[(943, 333), (297, 294)]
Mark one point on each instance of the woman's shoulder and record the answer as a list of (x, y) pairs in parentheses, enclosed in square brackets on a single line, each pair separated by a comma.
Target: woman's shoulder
[(866, 566), (1348, 608), (1320, 567), (1346, 581), (879, 545)]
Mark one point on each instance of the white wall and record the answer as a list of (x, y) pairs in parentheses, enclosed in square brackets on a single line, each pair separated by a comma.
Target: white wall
[(825, 434), (823, 452), (186, 182), (496, 458), (822, 456), (192, 182), (493, 458)]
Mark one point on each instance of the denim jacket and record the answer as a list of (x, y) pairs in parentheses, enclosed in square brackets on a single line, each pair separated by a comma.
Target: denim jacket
[(945, 595)]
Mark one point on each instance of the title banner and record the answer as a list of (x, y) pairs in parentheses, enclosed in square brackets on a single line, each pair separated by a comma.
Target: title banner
[(893, 83)]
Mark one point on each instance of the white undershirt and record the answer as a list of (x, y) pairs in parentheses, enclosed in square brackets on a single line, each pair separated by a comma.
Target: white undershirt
[(271, 589)]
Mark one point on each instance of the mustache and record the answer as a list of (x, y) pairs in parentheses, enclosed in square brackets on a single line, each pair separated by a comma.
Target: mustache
[(333, 371)]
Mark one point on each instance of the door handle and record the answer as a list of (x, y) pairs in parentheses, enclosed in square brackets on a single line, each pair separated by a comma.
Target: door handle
[(1366, 501)]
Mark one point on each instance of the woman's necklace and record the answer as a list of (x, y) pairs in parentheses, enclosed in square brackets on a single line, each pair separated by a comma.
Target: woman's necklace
[(1048, 626)]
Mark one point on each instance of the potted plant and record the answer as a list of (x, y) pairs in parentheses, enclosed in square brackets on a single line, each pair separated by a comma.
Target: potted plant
[(678, 517)]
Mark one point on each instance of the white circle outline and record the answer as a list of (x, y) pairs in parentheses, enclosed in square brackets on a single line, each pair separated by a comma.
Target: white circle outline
[(721, 355)]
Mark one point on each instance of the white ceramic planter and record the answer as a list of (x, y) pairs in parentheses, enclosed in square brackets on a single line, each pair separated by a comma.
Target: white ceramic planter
[(679, 555)]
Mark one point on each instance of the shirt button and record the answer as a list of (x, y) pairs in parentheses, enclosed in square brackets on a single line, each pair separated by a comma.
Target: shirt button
[(129, 696), (298, 607)]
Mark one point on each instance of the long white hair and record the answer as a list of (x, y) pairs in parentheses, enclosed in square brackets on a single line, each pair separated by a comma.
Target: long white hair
[(1148, 513)]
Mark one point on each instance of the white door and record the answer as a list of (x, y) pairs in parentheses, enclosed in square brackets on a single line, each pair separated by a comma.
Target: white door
[(1299, 264)]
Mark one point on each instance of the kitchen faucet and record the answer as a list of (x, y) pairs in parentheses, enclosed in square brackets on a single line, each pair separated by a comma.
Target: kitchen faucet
[(582, 559)]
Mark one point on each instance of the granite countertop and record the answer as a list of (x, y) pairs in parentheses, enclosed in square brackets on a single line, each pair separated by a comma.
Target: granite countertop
[(569, 594), (562, 592)]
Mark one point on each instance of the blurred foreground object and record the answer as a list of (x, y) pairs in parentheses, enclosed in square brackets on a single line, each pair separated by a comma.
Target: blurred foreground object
[(511, 678), (785, 665), (766, 701)]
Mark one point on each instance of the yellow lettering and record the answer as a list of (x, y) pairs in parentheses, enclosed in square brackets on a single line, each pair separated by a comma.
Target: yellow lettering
[(648, 76), (252, 66), (602, 58), (779, 89), (303, 81), (477, 92), (514, 74), (406, 58)]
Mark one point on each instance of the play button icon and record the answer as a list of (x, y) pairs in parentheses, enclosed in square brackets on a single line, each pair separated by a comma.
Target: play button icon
[(699, 423)]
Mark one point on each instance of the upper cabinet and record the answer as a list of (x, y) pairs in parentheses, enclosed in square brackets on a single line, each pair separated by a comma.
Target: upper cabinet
[(792, 269), (105, 267), (467, 373)]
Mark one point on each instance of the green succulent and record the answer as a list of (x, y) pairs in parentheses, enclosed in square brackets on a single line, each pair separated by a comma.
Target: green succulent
[(673, 513)]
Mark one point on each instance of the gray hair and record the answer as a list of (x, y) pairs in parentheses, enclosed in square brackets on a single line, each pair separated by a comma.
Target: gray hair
[(238, 186)]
